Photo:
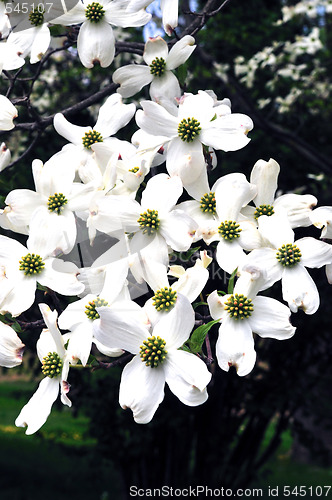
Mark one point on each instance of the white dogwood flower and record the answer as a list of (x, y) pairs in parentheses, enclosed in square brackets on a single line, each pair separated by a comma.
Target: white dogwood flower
[(56, 199), (80, 317), (112, 116), (198, 122), (5, 156), (232, 231), (55, 367), (155, 218), (169, 9), (11, 347), (8, 113), (157, 359), (298, 207), (23, 267), (286, 260), (158, 69), (243, 313), (95, 41)]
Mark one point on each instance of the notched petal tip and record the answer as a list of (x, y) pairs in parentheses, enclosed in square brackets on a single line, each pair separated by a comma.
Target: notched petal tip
[(19, 353)]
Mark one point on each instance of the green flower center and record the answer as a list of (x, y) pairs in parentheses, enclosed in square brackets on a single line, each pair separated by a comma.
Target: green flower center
[(36, 17), (229, 230), (158, 66), (288, 255), (91, 137), (94, 12), (263, 210), (52, 365), (134, 170), (188, 129), (90, 309), (239, 306), (56, 203), (153, 351), (164, 299), (31, 264), (149, 221), (208, 203)]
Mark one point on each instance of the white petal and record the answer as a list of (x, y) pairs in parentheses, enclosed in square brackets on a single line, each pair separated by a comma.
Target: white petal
[(50, 233), (328, 272), (265, 260), (298, 208), (73, 133), (20, 297), (222, 140), (270, 318), (7, 113), (21, 203), (50, 317), (230, 255), (113, 115), (217, 305), (156, 120), (250, 237), (180, 52), (161, 193), (322, 217), (112, 353), (117, 14), (187, 376), (115, 279), (165, 87), (192, 282), (232, 193), (265, 176), (5, 157), (74, 314), (96, 43), (170, 14), (46, 344), (11, 347), (35, 413), (58, 173), (79, 346), (314, 253), (155, 47), (141, 389), (299, 290), (114, 330), (276, 229), (61, 277), (235, 346), (40, 43), (185, 160), (76, 15), (178, 229), (144, 250), (132, 79), (175, 326)]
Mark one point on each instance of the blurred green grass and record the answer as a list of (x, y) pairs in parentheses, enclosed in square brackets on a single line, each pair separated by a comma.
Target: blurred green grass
[(58, 461)]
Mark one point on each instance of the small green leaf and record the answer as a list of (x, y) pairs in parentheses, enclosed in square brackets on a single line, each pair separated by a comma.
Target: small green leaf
[(230, 288), (199, 304), (186, 256), (182, 74), (185, 348), (198, 336)]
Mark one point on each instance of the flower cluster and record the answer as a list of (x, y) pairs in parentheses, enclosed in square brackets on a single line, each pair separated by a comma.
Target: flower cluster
[(149, 199)]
